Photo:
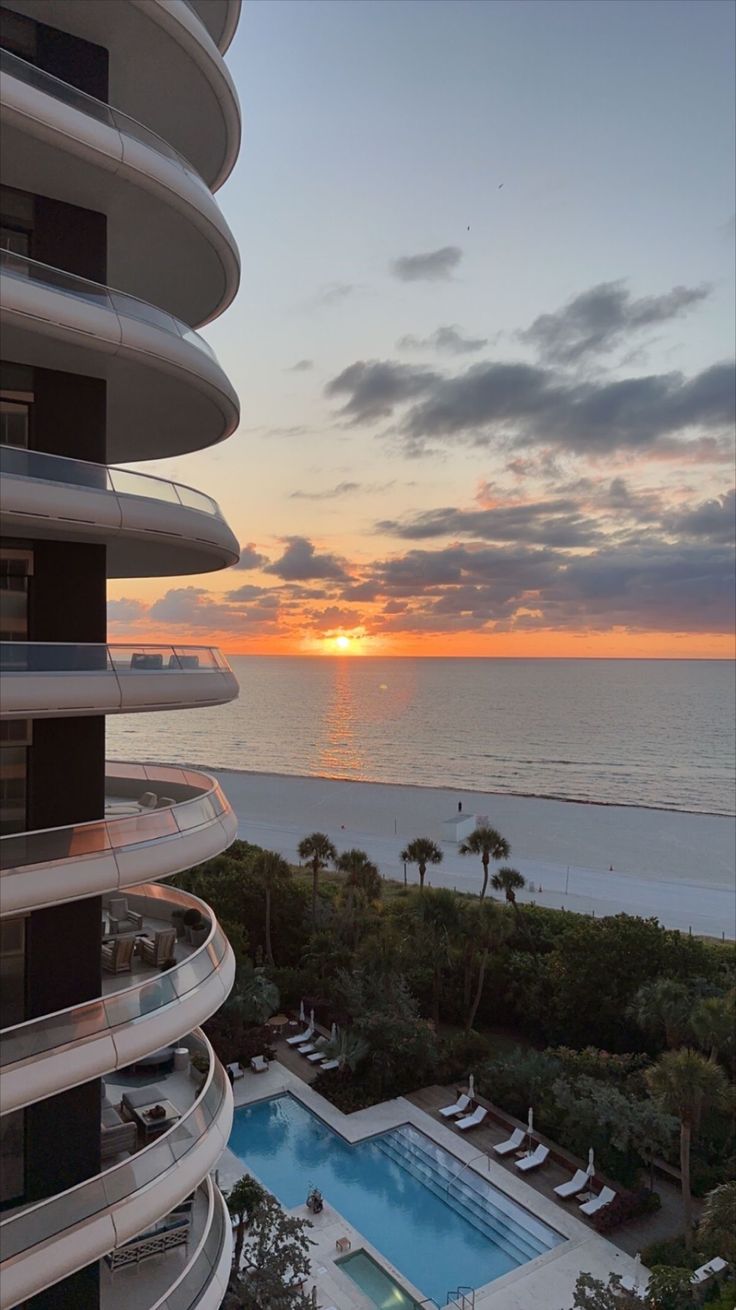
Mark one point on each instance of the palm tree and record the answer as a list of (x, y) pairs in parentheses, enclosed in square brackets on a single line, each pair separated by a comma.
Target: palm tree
[(717, 1227), (348, 1048), (685, 1083), (713, 1024), (242, 1200), (509, 881), (320, 852), (422, 851), (490, 926), (490, 845), (269, 869), (361, 872), (439, 921), (662, 1009)]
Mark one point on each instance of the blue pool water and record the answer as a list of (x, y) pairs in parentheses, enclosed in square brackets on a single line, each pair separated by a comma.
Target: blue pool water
[(399, 1189)]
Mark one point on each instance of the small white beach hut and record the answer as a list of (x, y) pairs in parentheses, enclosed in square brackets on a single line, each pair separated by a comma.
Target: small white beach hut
[(458, 827)]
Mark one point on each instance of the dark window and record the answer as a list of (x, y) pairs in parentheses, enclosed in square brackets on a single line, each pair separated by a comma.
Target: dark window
[(15, 738), (12, 971), (18, 34), (15, 420), (12, 1153)]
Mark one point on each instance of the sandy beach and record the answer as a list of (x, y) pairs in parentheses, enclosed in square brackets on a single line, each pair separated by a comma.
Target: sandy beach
[(677, 866)]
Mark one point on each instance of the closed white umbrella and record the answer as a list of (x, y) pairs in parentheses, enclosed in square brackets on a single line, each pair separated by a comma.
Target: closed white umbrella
[(591, 1164), (471, 1087), (333, 1033), (530, 1121), (311, 1018), (302, 1015), (637, 1270)]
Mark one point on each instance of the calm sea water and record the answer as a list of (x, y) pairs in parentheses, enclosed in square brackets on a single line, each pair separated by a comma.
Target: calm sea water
[(641, 732)]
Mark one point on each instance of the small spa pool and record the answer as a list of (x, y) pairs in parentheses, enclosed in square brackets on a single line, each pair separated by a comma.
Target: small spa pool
[(400, 1190)]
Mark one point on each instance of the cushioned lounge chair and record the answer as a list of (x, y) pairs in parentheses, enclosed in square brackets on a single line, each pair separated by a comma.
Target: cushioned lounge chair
[(259, 1064), (117, 955), (604, 1197), (116, 1134), (460, 1107), (122, 918), (533, 1161), (236, 1069), (154, 950), (302, 1037), (472, 1120), (710, 1270), (329, 1064), (577, 1183), (512, 1143), (318, 1053)]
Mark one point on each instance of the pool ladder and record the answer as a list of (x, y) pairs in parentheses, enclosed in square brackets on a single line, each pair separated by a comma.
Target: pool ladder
[(463, 1298)]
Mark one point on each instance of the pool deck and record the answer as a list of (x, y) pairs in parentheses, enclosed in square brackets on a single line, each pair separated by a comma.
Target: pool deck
[(546, 1283)]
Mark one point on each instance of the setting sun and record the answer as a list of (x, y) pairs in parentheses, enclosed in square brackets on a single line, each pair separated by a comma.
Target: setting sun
[(342, 643)]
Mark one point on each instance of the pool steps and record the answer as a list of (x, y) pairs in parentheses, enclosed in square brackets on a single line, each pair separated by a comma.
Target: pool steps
[(415, 1153)]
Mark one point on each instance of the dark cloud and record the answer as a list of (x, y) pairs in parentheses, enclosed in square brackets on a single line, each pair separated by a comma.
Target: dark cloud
[(599, 319), (447, 339), (334, 293), (250, 558), (551, 523), (334, 617), (125, 610), (194, 608), (431, 266), (713, 519), (246, 593), (301, 366), (375, 387), (516, 404), (301, 562)]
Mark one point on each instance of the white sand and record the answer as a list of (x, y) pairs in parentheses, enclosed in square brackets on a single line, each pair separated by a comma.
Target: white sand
[(677, 866)]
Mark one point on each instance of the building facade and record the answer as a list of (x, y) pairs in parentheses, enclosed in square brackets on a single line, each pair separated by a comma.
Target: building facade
[(118, 123)]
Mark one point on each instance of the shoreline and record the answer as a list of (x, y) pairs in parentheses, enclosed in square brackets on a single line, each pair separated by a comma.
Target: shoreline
[(470, 791), (599, 860)]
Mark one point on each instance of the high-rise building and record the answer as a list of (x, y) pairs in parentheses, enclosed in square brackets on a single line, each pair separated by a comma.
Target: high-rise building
[(119, 122)]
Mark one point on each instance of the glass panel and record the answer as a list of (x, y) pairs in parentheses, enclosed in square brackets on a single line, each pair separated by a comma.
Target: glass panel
[(140, 484), (14, 422), (197, 500), (134, 308), (194, 657), (46, 657), (142, 828), (195, 813), (13, 773)]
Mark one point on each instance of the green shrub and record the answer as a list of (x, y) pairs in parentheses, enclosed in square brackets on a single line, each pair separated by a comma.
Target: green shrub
[(520, 1079), (461, 1054)]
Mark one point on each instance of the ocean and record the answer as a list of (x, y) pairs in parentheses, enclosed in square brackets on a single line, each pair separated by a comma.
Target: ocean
[(636, 732)]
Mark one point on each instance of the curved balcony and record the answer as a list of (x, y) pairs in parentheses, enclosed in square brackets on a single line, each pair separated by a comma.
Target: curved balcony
[(161, 215), (43, 680), (220, 17), (185, 1278), (164, 70), (152, 527), (136, 842), (141, 1010), (167, 394), (48, 1241)]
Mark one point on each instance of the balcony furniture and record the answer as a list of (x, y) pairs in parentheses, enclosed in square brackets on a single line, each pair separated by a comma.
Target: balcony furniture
[(460, 1107), (120, 917), (173, 1230), (148, 801), (235, 1070), (709, 1271), (471, 1120), (181, 1058), (165, 802), (154, 950), (259, 1064), (343, 1244), (160, 1059), (117, 955), (183, 661), (197, 933), (575, 1185), (116, 1134), (140, 660), (152, 1124)]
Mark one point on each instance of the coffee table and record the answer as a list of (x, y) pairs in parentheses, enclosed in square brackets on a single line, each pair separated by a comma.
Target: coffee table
[(154, 1127)]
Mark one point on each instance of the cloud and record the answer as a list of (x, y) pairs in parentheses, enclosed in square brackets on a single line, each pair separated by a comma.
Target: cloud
[(447, 339), (557, 522), (599, 319), (334, 293), (431, 266), (301, 366), (250, 557), (300, 562), (342, 489), (514, 404), (125, 610), (333, 617), (375, 387), (713, 519)]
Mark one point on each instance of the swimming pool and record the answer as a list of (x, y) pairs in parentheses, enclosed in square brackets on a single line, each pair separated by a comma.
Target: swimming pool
[(399, 1189)]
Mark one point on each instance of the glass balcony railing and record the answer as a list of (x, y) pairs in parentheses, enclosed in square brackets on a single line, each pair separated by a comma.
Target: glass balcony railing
[(198, 802), (13, 66), (123, 660), (94, 293), (16, 461), (79, 1023), (50, 1219)]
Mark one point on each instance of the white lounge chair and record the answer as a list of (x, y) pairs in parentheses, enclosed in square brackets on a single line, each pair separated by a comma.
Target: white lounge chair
[(604, 1197), (329, 1064), (318, 1053), (259, 1064), (460, 1107), (307, 1047), (236, 1069), (303, 1037), (533, 1161), (577, 1183), (715, 1266), (512, 1143), (630, 1284), (472, 1120)]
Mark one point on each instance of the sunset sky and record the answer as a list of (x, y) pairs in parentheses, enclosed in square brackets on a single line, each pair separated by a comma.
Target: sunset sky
[(484, 337)]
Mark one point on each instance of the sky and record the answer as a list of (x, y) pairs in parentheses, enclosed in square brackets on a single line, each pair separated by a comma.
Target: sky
[(484, 339)]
